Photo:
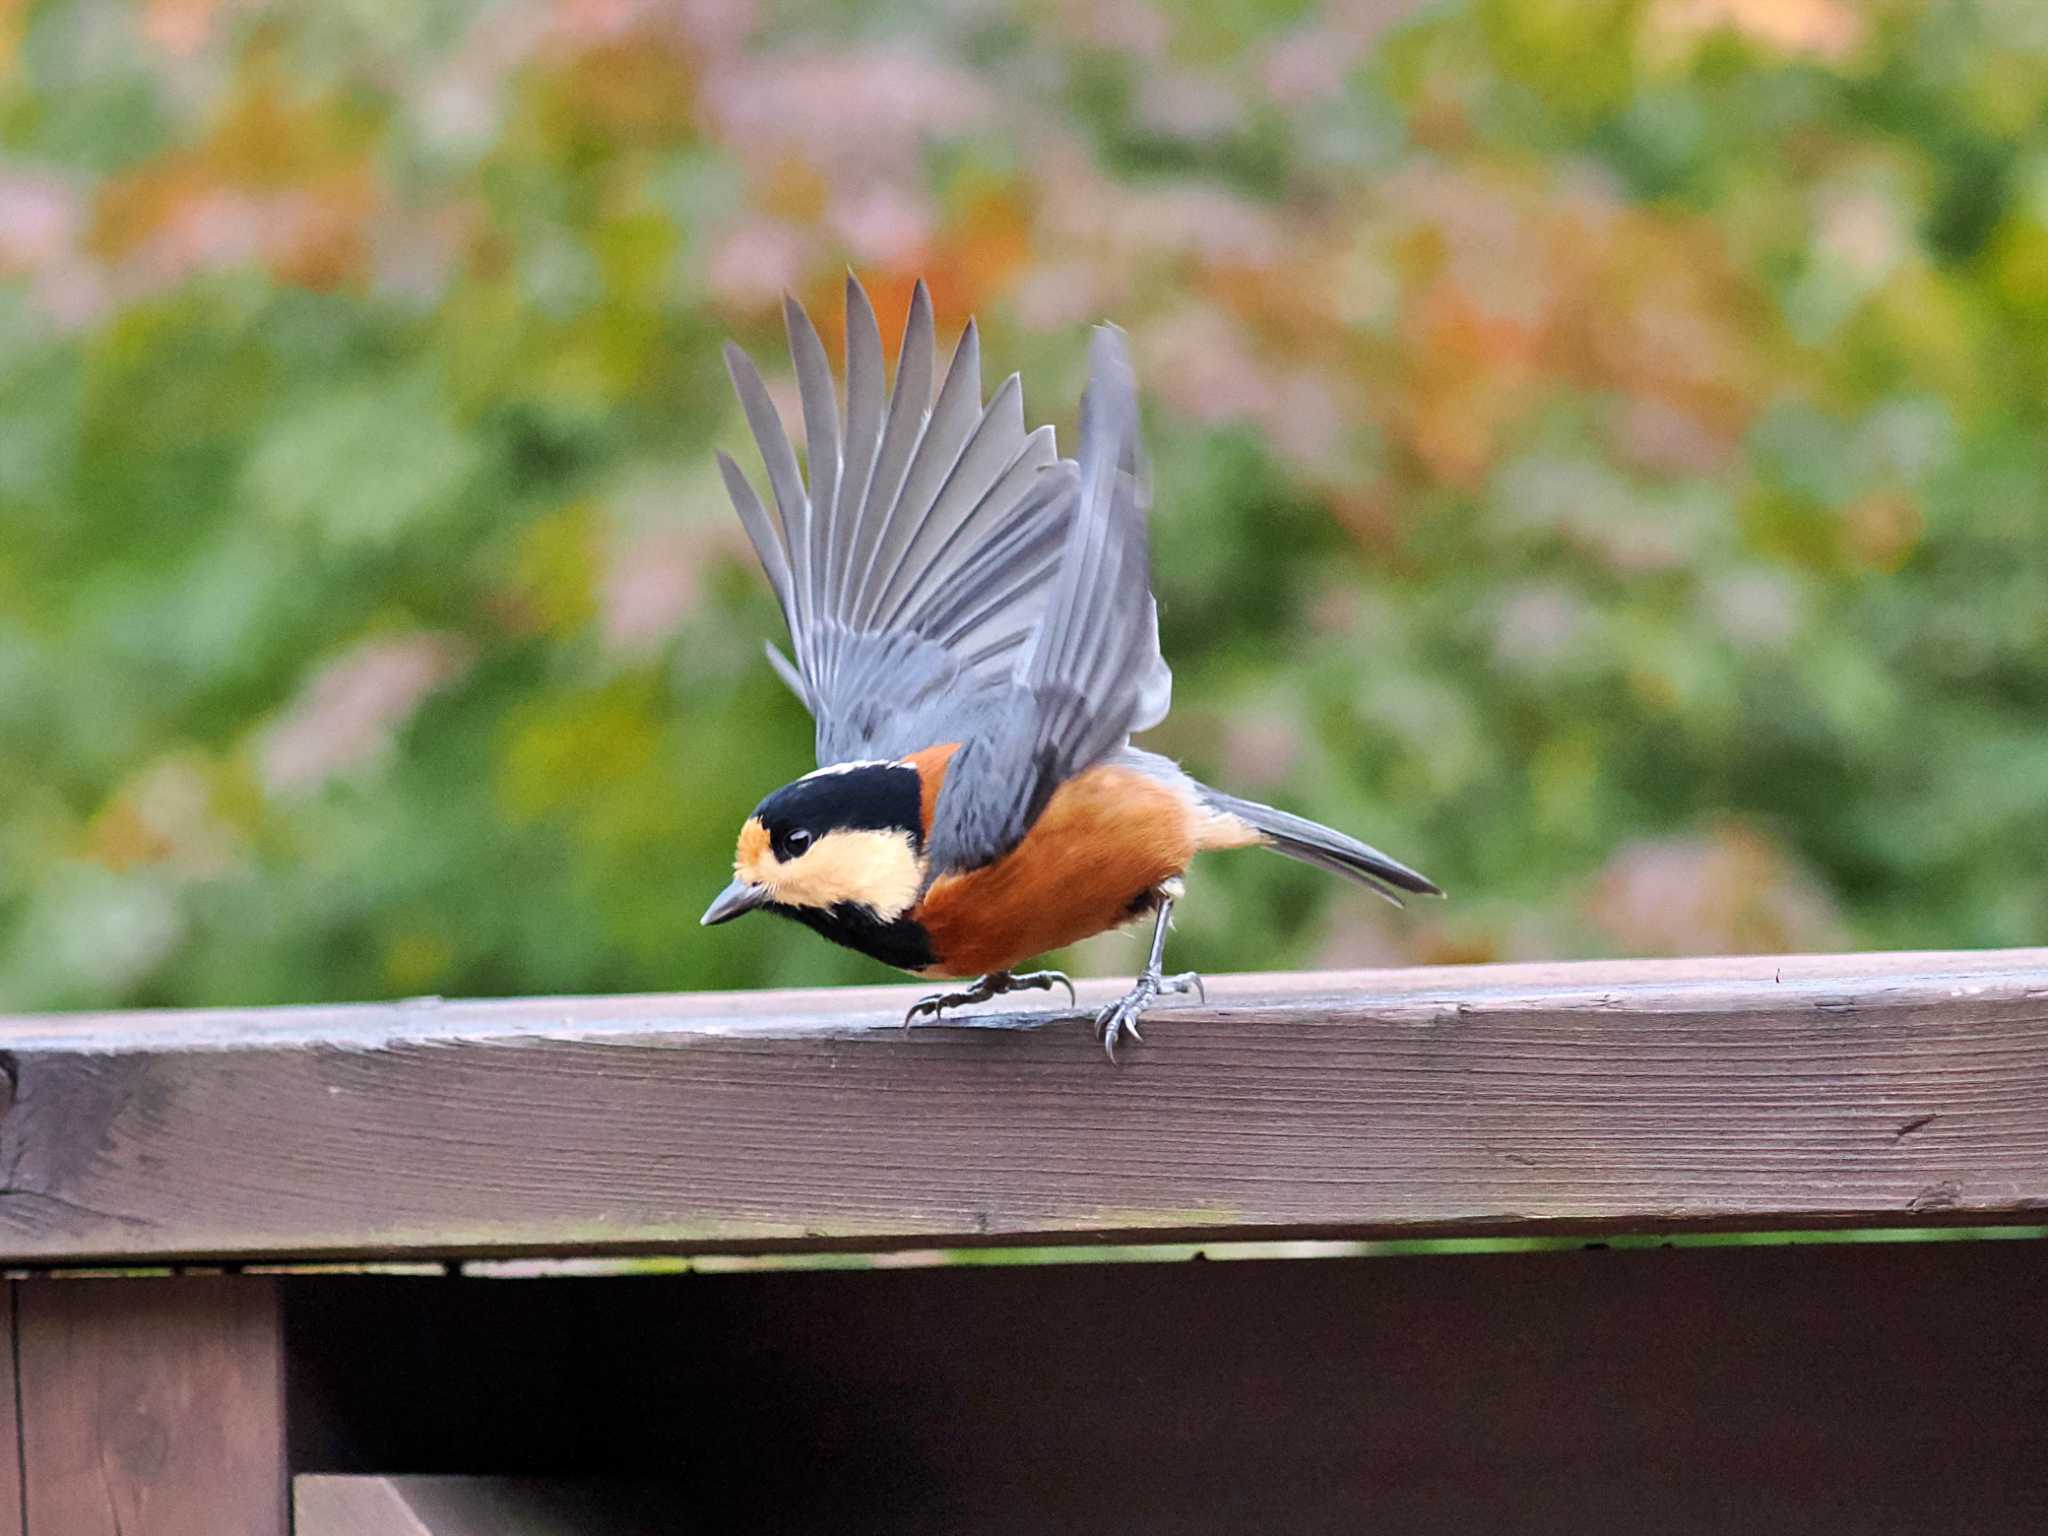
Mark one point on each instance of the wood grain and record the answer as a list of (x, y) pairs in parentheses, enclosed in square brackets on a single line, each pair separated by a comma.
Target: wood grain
[(153, 1405), (326, 1505), (1876, 1090)]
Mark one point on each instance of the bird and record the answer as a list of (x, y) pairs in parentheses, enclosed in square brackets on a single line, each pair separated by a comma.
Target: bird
[(974, 633)]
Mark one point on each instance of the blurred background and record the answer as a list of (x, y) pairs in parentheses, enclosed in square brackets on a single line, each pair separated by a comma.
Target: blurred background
[(1599, 449)]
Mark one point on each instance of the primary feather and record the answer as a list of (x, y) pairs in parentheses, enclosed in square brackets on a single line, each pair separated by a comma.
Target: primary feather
[(1081, 687)]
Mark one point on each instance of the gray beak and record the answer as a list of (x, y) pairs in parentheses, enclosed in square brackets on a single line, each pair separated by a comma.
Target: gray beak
[(734, 901)]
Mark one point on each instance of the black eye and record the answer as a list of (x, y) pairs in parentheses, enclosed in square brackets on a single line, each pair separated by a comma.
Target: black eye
[(792, 843)]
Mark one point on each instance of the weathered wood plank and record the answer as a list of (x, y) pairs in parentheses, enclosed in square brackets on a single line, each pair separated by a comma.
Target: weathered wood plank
[(1874, 1090), (153, 1405), (326, 1505)]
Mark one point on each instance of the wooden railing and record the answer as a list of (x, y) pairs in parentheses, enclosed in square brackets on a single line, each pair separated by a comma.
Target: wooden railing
[(1892, 1090), (1871, 1092)]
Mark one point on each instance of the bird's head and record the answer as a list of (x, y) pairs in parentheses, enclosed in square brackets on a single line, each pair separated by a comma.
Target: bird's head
[(846, 836)]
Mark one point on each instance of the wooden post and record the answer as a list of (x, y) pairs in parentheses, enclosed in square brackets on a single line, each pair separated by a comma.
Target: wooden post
[(10, 1421), (152, 1407)]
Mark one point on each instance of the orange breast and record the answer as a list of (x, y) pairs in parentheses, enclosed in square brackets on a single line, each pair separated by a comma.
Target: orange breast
[(1104, 840)]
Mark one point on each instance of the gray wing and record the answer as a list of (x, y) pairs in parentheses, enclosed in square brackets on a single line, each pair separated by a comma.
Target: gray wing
[(915, 567), (1093, 674)]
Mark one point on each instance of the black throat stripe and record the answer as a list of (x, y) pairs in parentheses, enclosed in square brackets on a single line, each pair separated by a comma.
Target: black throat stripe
[(902, 943)]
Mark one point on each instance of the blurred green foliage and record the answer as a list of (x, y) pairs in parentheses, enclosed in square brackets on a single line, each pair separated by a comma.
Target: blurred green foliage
[(1600, 456)]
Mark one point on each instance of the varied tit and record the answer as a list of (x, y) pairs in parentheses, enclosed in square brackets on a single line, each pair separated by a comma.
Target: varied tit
[(975, 635)]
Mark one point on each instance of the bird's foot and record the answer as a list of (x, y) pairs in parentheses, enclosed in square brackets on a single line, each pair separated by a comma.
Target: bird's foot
[(995, 984), (1120, 1018)]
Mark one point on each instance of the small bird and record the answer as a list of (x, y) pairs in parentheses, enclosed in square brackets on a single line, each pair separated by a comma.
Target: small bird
[(976, 637)]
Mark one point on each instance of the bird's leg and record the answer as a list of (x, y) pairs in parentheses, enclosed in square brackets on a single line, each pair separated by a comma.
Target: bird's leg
[(1121, 1017), (994, 984)]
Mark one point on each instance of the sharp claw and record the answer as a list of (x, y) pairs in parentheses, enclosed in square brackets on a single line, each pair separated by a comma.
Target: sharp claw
[(1121, 1017), (1045, 981), (1116, 1024)]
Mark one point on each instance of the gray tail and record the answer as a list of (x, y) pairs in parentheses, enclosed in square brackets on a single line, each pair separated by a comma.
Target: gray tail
[(1324, 847)]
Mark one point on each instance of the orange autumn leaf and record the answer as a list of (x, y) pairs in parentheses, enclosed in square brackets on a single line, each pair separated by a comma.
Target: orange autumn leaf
[(979, 254), (1472, 374)]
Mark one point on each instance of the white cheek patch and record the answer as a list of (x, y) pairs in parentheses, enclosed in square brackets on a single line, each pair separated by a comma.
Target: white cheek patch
[(879, 870)]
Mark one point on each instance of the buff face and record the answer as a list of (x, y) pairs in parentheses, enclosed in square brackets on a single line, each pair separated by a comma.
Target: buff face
[(871, 867), (848, 837)]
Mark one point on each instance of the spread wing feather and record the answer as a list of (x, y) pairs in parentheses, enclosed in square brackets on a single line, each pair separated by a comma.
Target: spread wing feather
[(882, 565), (865, 391), (946, 576), (1089, 673)]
